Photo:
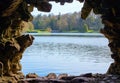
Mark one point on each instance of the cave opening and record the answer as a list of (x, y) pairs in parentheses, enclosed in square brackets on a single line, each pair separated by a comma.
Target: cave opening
[(13, 43)]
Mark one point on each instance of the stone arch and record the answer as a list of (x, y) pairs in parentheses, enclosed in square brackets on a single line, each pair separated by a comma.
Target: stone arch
[(14, 12)]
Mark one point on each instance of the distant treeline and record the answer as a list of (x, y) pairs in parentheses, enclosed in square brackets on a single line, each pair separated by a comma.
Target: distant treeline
[(67, 23)]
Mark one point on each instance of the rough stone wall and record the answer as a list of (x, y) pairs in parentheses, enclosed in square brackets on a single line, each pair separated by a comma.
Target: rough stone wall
[(110, 14), (12, 43)]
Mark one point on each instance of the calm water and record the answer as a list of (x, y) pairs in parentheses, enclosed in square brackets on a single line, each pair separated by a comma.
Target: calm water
[(72, 55)]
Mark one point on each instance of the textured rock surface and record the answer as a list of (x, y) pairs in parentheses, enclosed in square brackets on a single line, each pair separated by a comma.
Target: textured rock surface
[(12, 43), (110, 14), (85, 78)]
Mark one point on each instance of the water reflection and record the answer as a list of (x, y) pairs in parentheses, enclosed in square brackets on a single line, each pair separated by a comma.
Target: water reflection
[(73, 55)]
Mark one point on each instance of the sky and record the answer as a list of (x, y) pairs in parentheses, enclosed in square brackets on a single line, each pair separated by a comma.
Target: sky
[(63, 9)]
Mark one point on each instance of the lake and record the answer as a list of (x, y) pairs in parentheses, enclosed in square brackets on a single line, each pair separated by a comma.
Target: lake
[(61, 54)]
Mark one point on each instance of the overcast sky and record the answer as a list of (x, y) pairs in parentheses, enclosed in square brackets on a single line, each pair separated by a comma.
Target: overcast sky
[(57, 8)]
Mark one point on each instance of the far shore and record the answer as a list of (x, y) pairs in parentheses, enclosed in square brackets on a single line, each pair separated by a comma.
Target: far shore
[(68, 34)]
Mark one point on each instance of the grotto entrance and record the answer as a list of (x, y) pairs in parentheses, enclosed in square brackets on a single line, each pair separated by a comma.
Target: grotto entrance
[(14, 13)]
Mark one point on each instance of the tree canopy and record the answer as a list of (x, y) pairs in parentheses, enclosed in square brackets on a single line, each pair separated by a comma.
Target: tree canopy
[(67, 23)]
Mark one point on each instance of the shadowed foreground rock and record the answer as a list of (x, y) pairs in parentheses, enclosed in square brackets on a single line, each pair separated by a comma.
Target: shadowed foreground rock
[(110, 14), (13, 14), (85, 78)]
